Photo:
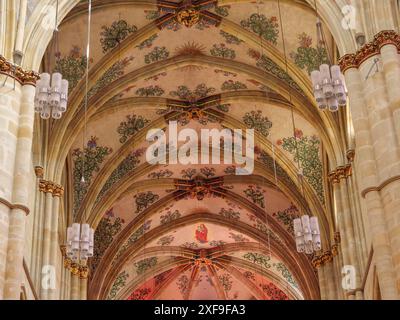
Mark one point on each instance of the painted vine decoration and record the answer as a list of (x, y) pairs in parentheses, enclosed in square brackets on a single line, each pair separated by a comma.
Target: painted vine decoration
[(222, 10), (72, 67), (226, 282), (112, 36), (222, 51), (216, 243), (307, 151), (286, 273), (201, 91), (237, 237), (287, 216), (140, 294), (183, 284), (107, 229), (152, 14), (143, 265), (150, 91), (116, 71), (166, 240), (169, 217), (157, 54), (273, 292), (230, 38), (160, 174), (132, 239), (126, 166), (256, 194), (208, 172), (308, 57), (258, 258), (148, 42), (131, 126), (188, 173), (144, 199), (119, 283), (231, 85), (267, 28), (230, 214), (90, 159), (256, 120), (268, 65)]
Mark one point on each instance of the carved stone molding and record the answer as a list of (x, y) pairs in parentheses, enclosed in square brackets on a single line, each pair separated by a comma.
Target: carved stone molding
[(50, 187), (39, 172), (75, 268), (370, 49), (326, 257), (15, 205), (380, 187), (17, 73), (340, 173), (350, 155)]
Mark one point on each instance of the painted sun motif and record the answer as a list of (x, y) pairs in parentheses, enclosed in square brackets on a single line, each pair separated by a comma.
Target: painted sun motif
[(190, 48)]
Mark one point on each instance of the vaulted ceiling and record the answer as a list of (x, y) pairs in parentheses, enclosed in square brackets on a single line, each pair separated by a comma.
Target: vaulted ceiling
[(156, 236)]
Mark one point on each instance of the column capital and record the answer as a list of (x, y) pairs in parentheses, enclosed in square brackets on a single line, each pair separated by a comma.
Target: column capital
[(51, 187), (370, 49), (15, 72), (342, 172)]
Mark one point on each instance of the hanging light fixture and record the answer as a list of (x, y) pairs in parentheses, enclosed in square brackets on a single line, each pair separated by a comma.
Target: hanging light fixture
[(306, 229), (307, 234), (80, 242), (51, 97), (328, 80), (80, 237), (328, 85)]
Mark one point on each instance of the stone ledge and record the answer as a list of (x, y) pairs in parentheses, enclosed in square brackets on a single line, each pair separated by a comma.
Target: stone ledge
[(15, 206)]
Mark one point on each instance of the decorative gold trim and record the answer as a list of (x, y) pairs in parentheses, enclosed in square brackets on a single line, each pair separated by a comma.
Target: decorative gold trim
[(17, 73), (188, 17), (370, 49), (342, 172), (15, 206), (50, 187), (381, 186), (83, 272), (326, 257)]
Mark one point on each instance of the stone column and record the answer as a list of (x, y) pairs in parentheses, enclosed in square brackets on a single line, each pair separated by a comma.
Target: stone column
[(48, 188), (75, 286), (376, 156), (54, 245), (83, 288), (9, 118), (20, 195), (322, 284), (37, 227)]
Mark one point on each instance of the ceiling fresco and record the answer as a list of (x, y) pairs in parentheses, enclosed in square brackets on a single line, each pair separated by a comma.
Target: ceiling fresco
[(194, 232)]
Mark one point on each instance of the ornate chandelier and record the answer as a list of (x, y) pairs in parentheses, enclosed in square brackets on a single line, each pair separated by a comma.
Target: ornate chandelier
[(307, 234), (51, 98), (80, 243), (328, 81), (329, 90)]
